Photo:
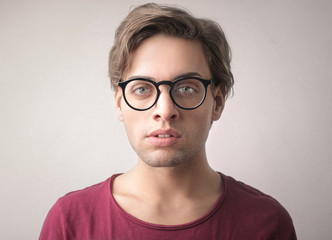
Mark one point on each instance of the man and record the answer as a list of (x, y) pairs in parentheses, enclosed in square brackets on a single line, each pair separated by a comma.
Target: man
[(171, 75)]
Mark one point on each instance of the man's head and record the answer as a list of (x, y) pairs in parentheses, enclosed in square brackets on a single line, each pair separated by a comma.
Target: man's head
[(164, 61), (151, 19)]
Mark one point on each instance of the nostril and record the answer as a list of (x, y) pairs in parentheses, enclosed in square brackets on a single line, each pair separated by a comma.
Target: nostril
[(166, 115)]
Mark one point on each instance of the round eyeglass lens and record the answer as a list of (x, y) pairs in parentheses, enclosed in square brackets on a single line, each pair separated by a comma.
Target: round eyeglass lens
[(188, 93), (140, 94)]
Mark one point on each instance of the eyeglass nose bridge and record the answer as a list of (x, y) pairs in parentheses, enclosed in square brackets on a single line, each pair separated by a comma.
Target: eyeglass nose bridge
[(158, 84)]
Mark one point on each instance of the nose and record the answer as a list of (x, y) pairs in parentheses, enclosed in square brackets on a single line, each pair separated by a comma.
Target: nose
[(165, 109)]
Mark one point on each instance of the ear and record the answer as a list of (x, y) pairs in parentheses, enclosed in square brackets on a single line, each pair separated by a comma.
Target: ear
[(219, 102), (118, 98)]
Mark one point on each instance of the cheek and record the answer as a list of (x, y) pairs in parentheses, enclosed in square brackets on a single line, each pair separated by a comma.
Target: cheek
[(206, 113), (131, 134), (205, 124), (133, 122), (200, 123), (204, 119)]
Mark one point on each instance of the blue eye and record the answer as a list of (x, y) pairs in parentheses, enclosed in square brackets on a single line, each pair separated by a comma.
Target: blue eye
[(185, 89), (141, 90), (188, 87)]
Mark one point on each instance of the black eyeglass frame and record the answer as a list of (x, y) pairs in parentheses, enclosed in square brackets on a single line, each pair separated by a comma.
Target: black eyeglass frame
[(205, 82)]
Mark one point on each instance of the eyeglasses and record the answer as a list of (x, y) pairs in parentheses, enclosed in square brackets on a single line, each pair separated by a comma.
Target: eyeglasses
[(186, 92)]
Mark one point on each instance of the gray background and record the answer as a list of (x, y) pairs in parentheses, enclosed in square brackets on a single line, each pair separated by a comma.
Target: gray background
[(59, 131)]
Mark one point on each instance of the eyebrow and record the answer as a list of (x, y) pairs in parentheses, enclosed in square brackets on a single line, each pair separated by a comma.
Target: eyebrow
[(188, 74)]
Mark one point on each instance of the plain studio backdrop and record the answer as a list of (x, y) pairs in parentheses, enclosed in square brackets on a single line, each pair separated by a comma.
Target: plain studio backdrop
[(58, 125)]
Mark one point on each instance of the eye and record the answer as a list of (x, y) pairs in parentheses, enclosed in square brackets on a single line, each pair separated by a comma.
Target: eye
[(185, 89), (139, 88)]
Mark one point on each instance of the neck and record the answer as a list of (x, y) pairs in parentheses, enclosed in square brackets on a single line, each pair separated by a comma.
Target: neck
[(168, 195), (189, 181)]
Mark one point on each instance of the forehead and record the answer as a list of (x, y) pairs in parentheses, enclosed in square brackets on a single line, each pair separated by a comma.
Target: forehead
[(164, 57)]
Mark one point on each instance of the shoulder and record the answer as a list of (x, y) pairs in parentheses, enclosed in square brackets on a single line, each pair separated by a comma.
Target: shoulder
[(255, 206), (241, 192), (76, 209), (95, 192), (83, 200)]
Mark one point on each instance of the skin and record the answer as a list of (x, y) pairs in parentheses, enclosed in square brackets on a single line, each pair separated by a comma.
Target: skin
[(172, 182)]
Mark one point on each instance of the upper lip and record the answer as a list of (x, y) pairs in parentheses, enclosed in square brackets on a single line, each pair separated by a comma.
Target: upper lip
[(171, 132)]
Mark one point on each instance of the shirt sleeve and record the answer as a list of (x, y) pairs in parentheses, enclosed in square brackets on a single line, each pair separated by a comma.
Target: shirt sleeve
[(54, 224), (286, 227)]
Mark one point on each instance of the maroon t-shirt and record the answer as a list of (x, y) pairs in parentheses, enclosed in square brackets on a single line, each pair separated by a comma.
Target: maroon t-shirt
[(241, 212)]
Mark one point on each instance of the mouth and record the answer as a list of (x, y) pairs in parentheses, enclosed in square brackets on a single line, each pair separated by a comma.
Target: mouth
[(165, 133), (164, 137)]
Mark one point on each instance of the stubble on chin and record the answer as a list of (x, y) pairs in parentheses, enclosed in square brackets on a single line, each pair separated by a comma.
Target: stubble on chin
[(167, 160)]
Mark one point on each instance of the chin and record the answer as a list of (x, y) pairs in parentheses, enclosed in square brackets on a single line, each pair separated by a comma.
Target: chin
[(175, 160), (162, 163)]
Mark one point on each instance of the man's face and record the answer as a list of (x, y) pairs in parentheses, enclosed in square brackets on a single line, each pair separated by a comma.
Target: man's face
[(165, 135)]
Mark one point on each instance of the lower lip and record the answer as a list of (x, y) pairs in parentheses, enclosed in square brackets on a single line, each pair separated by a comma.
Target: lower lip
[(163, 142)]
